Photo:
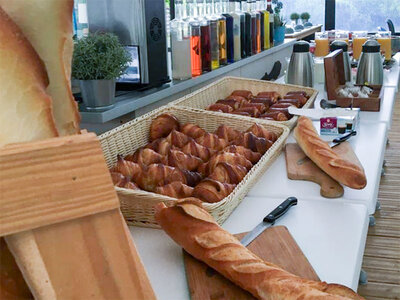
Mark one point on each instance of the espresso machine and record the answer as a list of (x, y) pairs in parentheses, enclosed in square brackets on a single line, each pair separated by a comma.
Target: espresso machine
[(141, 28)]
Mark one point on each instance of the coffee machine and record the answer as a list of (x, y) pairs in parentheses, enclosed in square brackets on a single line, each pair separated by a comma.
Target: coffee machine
[(141, 27)]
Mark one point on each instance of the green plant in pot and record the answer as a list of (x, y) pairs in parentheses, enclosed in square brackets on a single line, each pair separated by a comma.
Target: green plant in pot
[(295, 17), (305, 17), (98, 60), (279, 24)]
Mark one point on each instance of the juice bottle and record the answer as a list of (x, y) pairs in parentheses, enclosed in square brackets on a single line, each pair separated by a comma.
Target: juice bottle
[(214, 35), (221, 32), (234, 11), (359, 38), (229, 32), (205, 40), (271, 23), (195, 49), (248, 29), (267, 44), (321, 44), (384, 38)]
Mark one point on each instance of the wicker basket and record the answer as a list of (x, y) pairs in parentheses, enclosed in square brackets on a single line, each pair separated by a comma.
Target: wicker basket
[(222, 88), (138, 206)]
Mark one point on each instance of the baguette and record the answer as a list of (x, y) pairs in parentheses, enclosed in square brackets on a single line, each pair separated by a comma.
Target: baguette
[(323, 156), (26, 108), (203, 238), (47, 24)]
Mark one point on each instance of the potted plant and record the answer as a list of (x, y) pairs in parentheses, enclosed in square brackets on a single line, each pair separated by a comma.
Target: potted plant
[(279, 23), (305, 16), (98, 60), (295, 18), (279, 29)]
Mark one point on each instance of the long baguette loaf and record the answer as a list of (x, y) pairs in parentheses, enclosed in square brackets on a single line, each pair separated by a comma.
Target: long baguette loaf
[(192, 227), (324, 157), (26, 108), (47, 24)]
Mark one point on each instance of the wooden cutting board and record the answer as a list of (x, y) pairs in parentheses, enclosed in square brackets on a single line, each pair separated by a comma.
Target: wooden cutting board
[(275, 245), (299, 167)]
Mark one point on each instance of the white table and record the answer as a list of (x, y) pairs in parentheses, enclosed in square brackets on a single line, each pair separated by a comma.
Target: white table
[(331, 235), (369, 146), (391, 77)]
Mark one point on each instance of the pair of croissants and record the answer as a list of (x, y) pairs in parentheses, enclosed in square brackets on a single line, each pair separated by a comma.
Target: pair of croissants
[(265, 105), (186, 161)]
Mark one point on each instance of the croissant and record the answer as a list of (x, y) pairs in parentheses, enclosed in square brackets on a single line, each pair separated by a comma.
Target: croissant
[(241, 113), (212, 191), (175, 190), (299, 97), (243, 93), (232, 158), (198, 150), (254, 112), (192, 130), (254, 143), (159, 175), (264, 100), (127, 168), (220, 107), (225, 172), (241, 99), (146, 156), (294, 102), (278, 107), (183, 161), (227, 133), (253, 157), (162, 126), (298, 92), (212, 141), (260, 131), (274, 115), (235, 104), (122, 181), (275, 96), (259, 106), (177, 139)]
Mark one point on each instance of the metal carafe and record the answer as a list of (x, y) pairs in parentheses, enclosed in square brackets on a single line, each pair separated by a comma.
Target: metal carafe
[(370, 67), (301, 65), (346, 58)]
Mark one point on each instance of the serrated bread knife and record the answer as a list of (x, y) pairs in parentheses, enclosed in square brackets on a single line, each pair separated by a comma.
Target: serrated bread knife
[(269, 220)]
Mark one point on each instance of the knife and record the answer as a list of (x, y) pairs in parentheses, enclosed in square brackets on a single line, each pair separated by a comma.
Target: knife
[(342, 138), (332, 144), (269, 220)]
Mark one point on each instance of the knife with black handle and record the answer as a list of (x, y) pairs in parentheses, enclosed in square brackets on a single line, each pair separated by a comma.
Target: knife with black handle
[(269, 220)]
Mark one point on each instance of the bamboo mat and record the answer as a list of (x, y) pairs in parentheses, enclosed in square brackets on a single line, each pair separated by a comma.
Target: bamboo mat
[(382, 252)]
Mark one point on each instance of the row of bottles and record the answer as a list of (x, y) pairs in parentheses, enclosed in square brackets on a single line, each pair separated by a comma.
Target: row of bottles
[(206, 34)]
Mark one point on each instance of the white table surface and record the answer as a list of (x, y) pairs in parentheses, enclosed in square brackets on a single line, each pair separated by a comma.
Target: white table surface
[(391, 76), (369, 146), (334, 249)]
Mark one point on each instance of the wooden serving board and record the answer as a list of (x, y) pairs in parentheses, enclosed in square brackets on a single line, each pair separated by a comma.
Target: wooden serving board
[(275, 245), (299, 167)]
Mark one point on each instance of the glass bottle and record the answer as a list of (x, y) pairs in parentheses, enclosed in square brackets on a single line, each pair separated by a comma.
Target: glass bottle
[(229, 31), (254, 9), (214, 34), (221, 32), (234, 12), (195, 38), (260, 9), (248, 29), (238, 9), (205, 41), (254, 33), (267, 44), (271, 23), (180, 44)]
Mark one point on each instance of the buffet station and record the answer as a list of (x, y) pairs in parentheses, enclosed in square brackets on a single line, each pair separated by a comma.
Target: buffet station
[(232, 188)]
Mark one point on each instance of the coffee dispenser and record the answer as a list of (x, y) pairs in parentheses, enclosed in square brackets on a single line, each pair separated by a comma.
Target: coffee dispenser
[(141, 27)]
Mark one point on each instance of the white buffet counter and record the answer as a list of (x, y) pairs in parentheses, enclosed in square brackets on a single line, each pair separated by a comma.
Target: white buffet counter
[(330, 232)]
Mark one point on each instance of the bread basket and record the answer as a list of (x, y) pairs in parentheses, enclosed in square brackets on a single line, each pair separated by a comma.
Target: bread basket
[(222, 88), (138, 206)]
